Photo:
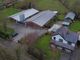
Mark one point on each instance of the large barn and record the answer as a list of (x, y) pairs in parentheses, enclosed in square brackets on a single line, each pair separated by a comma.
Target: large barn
[(23, 15), (41, 19)]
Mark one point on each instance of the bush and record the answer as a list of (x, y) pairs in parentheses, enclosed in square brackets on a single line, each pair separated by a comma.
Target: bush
[(6, 34), (36, 53), (21, 5)]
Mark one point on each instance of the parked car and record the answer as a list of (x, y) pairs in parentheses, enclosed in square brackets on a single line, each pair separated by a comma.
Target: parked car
[(14, 34)]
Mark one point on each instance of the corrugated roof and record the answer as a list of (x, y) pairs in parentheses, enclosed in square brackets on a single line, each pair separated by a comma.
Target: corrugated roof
[(42, 18), (70, 15), (27, 13), (68, 20)]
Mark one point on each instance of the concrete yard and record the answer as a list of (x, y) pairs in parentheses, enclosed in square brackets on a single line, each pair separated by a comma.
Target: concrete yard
[(24, 31)]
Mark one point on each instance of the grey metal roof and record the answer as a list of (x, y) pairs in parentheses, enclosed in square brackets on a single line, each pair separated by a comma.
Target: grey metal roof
[(70, 15), (67, 35), (62, 31), (71, 37), (26, 13), (42, 18)]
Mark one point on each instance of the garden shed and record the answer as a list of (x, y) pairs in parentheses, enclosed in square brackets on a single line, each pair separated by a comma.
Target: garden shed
[(70, 16)]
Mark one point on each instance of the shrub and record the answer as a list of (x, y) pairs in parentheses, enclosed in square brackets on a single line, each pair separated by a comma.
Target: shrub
[(36, 53)]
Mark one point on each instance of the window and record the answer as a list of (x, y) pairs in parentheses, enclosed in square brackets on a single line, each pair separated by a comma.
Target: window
[(54, 38), (69, 43), (60, 40)]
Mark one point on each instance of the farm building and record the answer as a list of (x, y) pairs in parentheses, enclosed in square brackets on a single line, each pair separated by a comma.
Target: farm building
[(70, 17), (64, 39), (23, 15), (41, 19)]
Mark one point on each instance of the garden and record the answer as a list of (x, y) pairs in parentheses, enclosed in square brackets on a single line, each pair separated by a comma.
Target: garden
[(6, 32), (75, 26), (43, 44)]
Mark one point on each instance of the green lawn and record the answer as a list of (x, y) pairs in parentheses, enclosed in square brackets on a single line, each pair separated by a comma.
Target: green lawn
[(6, 32), (7, 12), (71, 2), (50, 4), (75, 26), (3, 15), (1, 0), (43, 43)]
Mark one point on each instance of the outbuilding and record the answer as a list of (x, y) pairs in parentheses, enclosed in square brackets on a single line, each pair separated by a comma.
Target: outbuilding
[(70, 17)]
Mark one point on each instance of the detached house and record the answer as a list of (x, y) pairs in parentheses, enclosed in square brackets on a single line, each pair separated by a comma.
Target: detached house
[(64, 39)]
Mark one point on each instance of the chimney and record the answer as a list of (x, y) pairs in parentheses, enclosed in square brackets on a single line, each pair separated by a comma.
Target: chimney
[(22, 17)]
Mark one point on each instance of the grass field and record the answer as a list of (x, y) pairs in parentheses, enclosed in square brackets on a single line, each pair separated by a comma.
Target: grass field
[(71, 2), (75, 26), (50, 4), (1, 0), (7, 12), (3, 15), (44, 44)]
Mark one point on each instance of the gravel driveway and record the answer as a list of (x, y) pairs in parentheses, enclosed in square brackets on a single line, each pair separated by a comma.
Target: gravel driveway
[(24, 31)]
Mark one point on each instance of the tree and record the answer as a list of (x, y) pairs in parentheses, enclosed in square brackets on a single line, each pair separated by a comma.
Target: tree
[(5, 25), (18, 52), (76, 7), (36, 53), (30, 5)]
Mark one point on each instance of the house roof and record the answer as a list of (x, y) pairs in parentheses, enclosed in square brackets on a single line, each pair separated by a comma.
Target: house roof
[(59, 37), (71, 37), (42, 18), (62, 31), (67, 35), (26, 13), (55, 27), (70, 15), (63, 43), (68, 20)]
